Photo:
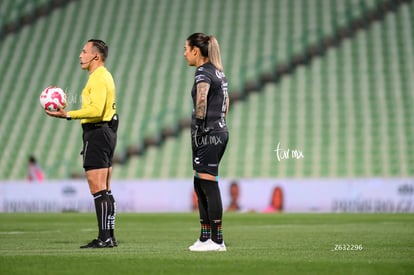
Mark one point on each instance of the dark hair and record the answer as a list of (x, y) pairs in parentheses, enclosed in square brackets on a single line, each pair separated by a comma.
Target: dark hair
[(208, 46), (101, 47), (199, 40), (32, 159)]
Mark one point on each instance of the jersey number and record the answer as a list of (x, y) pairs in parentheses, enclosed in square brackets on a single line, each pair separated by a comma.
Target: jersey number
[(225, 95)]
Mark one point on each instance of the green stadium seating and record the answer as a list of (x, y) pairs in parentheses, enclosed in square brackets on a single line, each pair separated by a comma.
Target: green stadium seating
[(348, 110)]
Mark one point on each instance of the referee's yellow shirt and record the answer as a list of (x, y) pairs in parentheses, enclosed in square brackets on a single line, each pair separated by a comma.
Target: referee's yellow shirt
[(98, 98)]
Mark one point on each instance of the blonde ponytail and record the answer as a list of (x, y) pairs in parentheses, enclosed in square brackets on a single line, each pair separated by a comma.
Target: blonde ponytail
[(214, 53)]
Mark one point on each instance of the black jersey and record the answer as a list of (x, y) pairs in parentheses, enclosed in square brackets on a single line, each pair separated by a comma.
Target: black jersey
[(216, 98)]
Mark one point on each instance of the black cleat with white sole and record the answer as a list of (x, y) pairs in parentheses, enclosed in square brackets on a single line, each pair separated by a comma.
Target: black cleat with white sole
[(97, 243)]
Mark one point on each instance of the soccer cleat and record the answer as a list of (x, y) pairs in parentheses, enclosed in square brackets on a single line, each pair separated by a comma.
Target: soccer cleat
[(97, 243), (114, 241), (197, 244), (208, 245)]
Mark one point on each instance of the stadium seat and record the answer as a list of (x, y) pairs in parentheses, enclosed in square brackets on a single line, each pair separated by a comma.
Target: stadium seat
[(347, 109)]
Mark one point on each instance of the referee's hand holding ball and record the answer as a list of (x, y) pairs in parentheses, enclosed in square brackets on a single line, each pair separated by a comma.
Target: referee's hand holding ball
[(60, 113)]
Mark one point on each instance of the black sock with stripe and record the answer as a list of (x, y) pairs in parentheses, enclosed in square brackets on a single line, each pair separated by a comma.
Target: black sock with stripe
[(102, 208), (112, 214)]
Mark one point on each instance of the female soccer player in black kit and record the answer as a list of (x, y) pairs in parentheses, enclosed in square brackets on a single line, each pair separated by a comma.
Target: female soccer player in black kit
[(209, 135)]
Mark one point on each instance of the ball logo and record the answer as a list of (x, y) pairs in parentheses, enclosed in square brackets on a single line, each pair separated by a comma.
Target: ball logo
[(59, 97)]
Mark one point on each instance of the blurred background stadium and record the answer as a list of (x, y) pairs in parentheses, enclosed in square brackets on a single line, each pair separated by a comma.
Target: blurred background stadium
[(331, 78)]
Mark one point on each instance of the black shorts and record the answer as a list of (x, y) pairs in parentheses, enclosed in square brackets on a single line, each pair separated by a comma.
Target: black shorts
[(208, 151), (99, 141)]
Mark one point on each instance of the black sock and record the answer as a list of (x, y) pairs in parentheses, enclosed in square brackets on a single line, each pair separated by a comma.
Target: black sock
[(216, 231), (214, 208), (205, 233), (202, 209), (102, 208), (112, 214)]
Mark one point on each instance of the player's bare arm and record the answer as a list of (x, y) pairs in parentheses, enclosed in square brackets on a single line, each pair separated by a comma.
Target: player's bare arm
[(201, 101), (227, 106)]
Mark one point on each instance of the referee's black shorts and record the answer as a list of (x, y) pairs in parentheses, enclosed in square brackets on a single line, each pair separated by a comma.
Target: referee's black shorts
[(208, 151), (99, 141)]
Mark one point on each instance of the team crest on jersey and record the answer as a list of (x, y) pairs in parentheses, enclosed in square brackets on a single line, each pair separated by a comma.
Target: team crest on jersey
[(220, 74)]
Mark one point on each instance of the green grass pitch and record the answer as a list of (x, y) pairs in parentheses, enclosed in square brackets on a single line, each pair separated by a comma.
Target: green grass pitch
[(256, 244)]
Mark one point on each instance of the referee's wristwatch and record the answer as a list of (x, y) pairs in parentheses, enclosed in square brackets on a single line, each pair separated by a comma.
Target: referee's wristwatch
[(68, 117)]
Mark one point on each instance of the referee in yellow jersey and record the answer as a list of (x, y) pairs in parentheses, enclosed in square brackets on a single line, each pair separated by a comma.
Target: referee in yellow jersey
[(99, 123)]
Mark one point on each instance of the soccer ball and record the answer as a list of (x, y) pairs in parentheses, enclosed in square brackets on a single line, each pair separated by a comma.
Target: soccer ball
[(53, 98)]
